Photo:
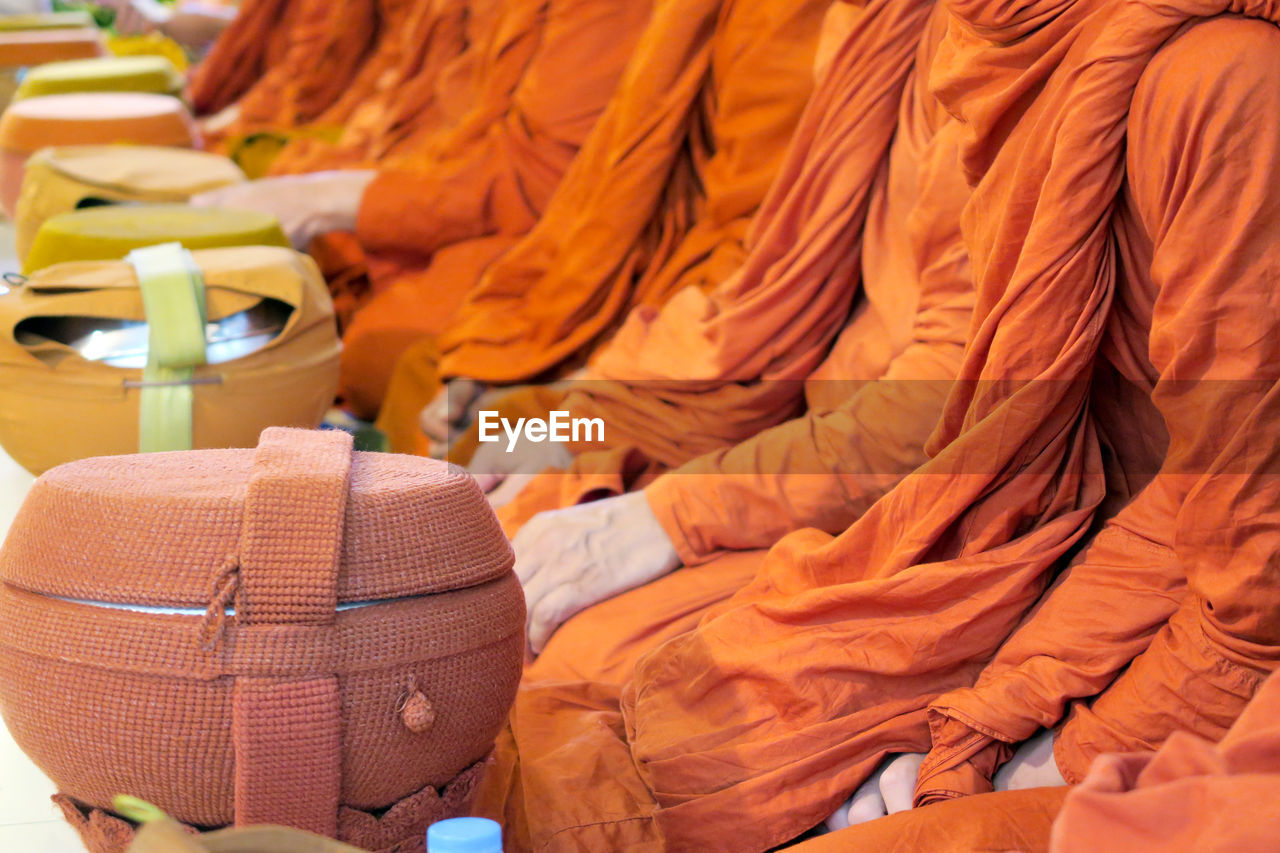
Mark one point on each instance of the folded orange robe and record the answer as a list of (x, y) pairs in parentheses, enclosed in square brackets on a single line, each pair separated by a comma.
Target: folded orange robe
[(1007, 822), (445, 205), (417, 74), (284, 61), (659, 199), (1190, 795)]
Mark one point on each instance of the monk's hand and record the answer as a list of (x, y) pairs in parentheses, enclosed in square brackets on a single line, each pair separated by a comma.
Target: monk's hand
[(570, 559), (450, 413), (1032, 766), (137, 16), (306, 205), (503, 470), (890, 789), (219, 121)]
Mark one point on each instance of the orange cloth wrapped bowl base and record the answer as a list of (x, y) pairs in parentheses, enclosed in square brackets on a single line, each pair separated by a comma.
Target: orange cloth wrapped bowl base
[(299, 635), (86, 119)]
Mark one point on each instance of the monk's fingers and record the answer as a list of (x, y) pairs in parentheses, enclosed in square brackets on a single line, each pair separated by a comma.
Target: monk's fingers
[(463, 395), (535, 549), (898, 781), (210, 198), (220, 120), (490, 458), (434, 419), (488, 482), (866, 803), (486, 397), (550, 613), (129, 22), (555, 456), (510, 489)]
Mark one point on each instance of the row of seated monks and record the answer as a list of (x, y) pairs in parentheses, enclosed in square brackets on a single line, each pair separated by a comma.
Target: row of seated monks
[(937, 344)]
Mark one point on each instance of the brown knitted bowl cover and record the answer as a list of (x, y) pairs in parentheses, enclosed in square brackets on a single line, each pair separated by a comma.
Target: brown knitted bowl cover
[(352, 646)]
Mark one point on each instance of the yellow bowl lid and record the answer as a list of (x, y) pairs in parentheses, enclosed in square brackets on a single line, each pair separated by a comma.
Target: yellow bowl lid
[(46, 21), (106, 74), (110, 233)]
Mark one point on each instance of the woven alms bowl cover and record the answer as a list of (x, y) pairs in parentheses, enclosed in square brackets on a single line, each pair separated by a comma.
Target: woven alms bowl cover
[(295, 634)]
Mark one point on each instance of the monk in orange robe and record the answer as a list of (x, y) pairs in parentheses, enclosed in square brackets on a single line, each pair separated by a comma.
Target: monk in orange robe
[(723, 361), (1190, 794), (860, 224), (659, 199), (422, 80), (438, 211), (281, 62), (1124, 163), (1167, 620)]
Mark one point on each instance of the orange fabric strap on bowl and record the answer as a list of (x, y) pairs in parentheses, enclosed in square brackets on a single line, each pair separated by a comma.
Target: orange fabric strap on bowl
[(287, 732)]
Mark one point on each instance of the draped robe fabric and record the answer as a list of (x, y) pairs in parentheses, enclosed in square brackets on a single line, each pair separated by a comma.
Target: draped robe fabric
[(873, 400), (418, 79), (282, 62), (1116, 412), (256, 39), (1191, 794), (445, 204), (1154, 309), (565, 769), (659, 199), (878, 394), (1005, 822)]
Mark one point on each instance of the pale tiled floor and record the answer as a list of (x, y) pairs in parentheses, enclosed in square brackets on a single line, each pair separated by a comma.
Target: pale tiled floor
[(29, 823)]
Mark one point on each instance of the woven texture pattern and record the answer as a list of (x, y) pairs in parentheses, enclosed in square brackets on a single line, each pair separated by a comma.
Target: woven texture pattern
[(291, 538), (288, 744), (395, 831), (267, 701)]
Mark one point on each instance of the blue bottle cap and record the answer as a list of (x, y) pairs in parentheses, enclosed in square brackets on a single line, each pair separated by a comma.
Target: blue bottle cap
[(464, 835)]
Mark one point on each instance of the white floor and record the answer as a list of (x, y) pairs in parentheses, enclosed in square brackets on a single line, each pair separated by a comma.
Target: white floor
[(29, 823)]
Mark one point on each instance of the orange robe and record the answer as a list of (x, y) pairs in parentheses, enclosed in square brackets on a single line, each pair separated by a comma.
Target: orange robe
[(445, 205), (565, 774), (842, 242), (1170, 618), (418, 76), (659, 199), (257, 39), (1189, 795), (1007, 822), (1119, 380), (284, 61)]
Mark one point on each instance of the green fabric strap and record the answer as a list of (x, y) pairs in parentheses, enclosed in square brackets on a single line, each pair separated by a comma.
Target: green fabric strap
[(173, 300)]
